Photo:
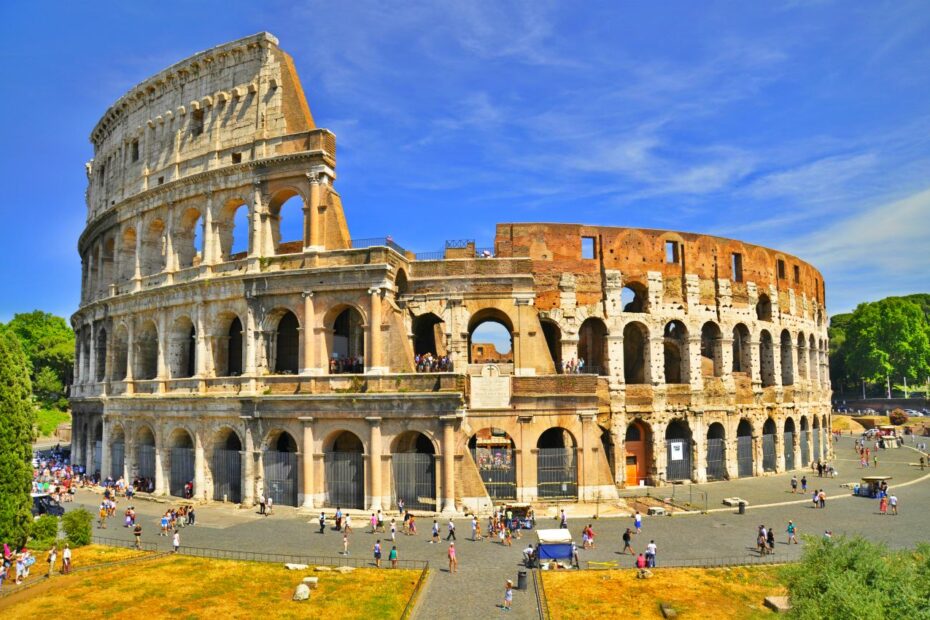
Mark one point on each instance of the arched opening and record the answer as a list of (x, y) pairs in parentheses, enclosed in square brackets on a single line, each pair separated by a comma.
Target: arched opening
[(787, 359), (181, 465), (592, 347), (228, 351), (348, 352), (345, 471), (97, 463), (117, 452), (638, 445), (413, 464), (287, 222), (400, 283), (234, 230), (287, 345), (100, 364), (789, 444), (804, 442), (633, 297), (766, 359), (607, 445), (429, 344), (153, 248), (145, 459), (678, 447), (494, 454), (635, 353), (120, 354), (188, 240), (716, 452), (553, 335), (675, 347), (227, 466), (182, 351), (813, 368), (279, 461), (816, 433), (764, 308), (768, 445), (127, 255), (744, 457), (802, 357), (490, 338), (742, 350), (556, 465), (146, 358), (711, 350), (107, 256)]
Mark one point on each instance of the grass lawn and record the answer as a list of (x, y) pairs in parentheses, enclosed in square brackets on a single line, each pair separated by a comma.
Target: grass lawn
[(47, 420), (692, 592), (846, 423), (185, 587)]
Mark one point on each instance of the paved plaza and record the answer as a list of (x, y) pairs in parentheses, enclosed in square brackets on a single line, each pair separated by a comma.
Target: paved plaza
[(484, 566)]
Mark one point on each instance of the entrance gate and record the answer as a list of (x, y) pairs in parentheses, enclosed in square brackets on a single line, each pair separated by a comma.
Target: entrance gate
[(117, 459), (556, 473), (227, 476), (146, 458), (744, 456), (805, 448), (816, 455), (345, 479), (98, 452), (716, 459), (182, 470), (415, 479), (679, 459), (281, 476), (789, 450), (497, 467), (768, 452)]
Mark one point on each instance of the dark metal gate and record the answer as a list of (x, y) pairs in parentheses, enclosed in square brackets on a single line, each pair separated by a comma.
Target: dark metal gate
[(117, 459), (556, 473), (816, 455), (227, 475), (805, 448), (345, 479), (768, 452), (679, 459), (744, 456), (182, 470), (716, 459), (415, 479), (789, 450), (498, 470), (281, 477), (145, 456), (95, 466)]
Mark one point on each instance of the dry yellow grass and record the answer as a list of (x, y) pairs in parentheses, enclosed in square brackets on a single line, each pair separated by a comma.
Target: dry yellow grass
[(846, 423), (694, 593), (185, 587)]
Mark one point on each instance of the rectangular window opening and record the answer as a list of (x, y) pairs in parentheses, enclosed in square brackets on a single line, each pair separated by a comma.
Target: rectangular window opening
[(588, 248), (197, 123), (797, 274), (135, 151), (237, 158), (737, 267), (161, 180), (672, 252), (781, 269)]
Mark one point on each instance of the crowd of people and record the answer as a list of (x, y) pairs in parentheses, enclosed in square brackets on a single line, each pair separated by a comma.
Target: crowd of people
[(427, 362), (52, 473), (352, 365), (572, 366)]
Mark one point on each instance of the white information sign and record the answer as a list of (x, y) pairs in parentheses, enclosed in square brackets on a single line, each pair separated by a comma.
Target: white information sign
[(678, 452)]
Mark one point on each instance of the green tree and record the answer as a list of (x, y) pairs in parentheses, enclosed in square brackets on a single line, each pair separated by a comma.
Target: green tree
[(886, 338), (17, 417), (48, 342), (77, 527)]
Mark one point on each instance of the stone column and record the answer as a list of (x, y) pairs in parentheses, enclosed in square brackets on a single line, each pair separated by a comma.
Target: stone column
[(129, 453), (779, 448), (130, 357), (137, 270), (757, 467), (307, 462), (655, 369), (374, 462), (695, 373), (92, 366), (448, 463), (171, 259), (160, 482), (249, 340), (89, 441), (309, 335), (76, 439), (256, 220), (731, 464), (699, 447), (248, 465), (311, 215), (615, 356), (659, 455), (755, 366), (200, 477), (209, 232), (162, 351), (105, 463), (374, 333), (202, 350)]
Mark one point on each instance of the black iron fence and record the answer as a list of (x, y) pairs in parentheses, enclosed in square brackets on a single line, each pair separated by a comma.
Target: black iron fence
[(722, 561), (372, 242)]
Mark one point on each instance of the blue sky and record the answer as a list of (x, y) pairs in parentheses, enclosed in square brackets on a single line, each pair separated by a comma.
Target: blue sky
[(803, 126)]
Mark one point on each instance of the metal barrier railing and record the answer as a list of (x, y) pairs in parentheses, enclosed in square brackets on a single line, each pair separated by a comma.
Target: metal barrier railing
[(411, 602), (542, 603), (719, 562), (125, 544)]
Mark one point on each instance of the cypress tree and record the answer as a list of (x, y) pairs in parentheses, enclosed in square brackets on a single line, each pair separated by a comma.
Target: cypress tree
[(17, 417)]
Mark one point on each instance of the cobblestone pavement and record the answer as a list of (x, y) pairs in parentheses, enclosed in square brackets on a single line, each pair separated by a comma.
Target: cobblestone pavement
[(476, 590)]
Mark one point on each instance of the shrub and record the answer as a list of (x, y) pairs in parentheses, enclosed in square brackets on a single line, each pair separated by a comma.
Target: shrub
[(44, 531), (77, 526), (897, 417)]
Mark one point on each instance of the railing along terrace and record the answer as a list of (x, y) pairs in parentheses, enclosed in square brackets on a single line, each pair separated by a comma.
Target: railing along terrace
[(377, 242)]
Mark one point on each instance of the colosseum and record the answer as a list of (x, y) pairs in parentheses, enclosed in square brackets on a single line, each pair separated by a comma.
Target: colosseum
[(325, 370)]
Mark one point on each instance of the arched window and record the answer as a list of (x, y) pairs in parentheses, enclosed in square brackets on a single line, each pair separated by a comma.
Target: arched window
[(592, 346), (226, 466), (744, 455), (716, 451), (428, 335), (766, 359), (711, 350), (675, 346), (120, 354), (182, 352), (494, 453), (287, 222), (787, 363), (764, 308), (287, 345), (413, 463), (400, 283), (127, 255), (553, 335), (638, 456), (635, 353), (234, 230), (153, 248), (742, 349), (344, 471), (188, 240), (348, 349), (101, 361), (678, 445), (490, 338), (633, 298), (556, 465), (146, 353), (181, 463), (802, 357), (235, 350)]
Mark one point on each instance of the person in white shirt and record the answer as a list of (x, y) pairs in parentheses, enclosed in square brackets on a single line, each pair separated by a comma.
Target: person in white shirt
[(651, 554)]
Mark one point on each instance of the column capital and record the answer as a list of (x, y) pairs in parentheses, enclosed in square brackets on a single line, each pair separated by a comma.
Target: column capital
[(374, 290), (307, 420), (307, 294), (374, 420)]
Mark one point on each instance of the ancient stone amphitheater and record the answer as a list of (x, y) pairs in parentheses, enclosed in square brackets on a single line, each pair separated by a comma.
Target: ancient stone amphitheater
[(213, 351)]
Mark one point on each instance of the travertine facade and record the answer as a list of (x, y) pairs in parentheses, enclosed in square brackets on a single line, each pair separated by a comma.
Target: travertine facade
[(288, 366)]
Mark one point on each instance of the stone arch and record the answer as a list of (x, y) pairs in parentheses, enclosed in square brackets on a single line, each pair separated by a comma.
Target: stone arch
[(145, 441), (675, 351), (228, 347), (745, 459), (769, 433), (787, 358), (107, 258), (485, 342), (711, 350), (226, 465), (234, 229), (812, 366), (766, 359), (181, 463), (182, 348), (127, 255), (553, 335), (742, 349), (764, 308), (279, 467), (120, 353), (286, 218), (802, 357), (100, 362), (154, 248), (592, 346), (788, 435), (636, 354), (413, 469), (634, 297), (494, 453), (284, 358), (429, 335), (347, 339), (188, 238), (679, 444), (401, 285), (146, 351), (117, 450), (344, 470), (716, 451), (638, 452), (805, 441), (556, 464)]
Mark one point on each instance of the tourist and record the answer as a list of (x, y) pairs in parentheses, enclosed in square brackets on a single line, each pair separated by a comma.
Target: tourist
[(393, 530), (508, 595), (379, 517), (435, 537), (66, 560), (137, 534), (875, 461), (761, 541), (102, 520), (322, 522), (392, 556), (815, 496), (883, 506), (563, 520), (770, 540), (377, 552), (803, 484), (52, 558), (451, 534), (792, 533), (345, 544), (528, 555), (822, 499), (176, 541), (794, 484), (261, 504), (638, 522), (627, 539), (348, 524), (338, 519), (412, 526), (922, 463), (651, 554), (893, 502), (453, 561), (270, 505), (400, 506), (164, 525), (474, 528), (191, 517), (828, 535), (641, 565), (374, 524)]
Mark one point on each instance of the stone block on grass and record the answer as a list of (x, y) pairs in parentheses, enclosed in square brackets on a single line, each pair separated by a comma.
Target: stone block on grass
[(295, 566), (778, 604), (312, 582), (302, 593)]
